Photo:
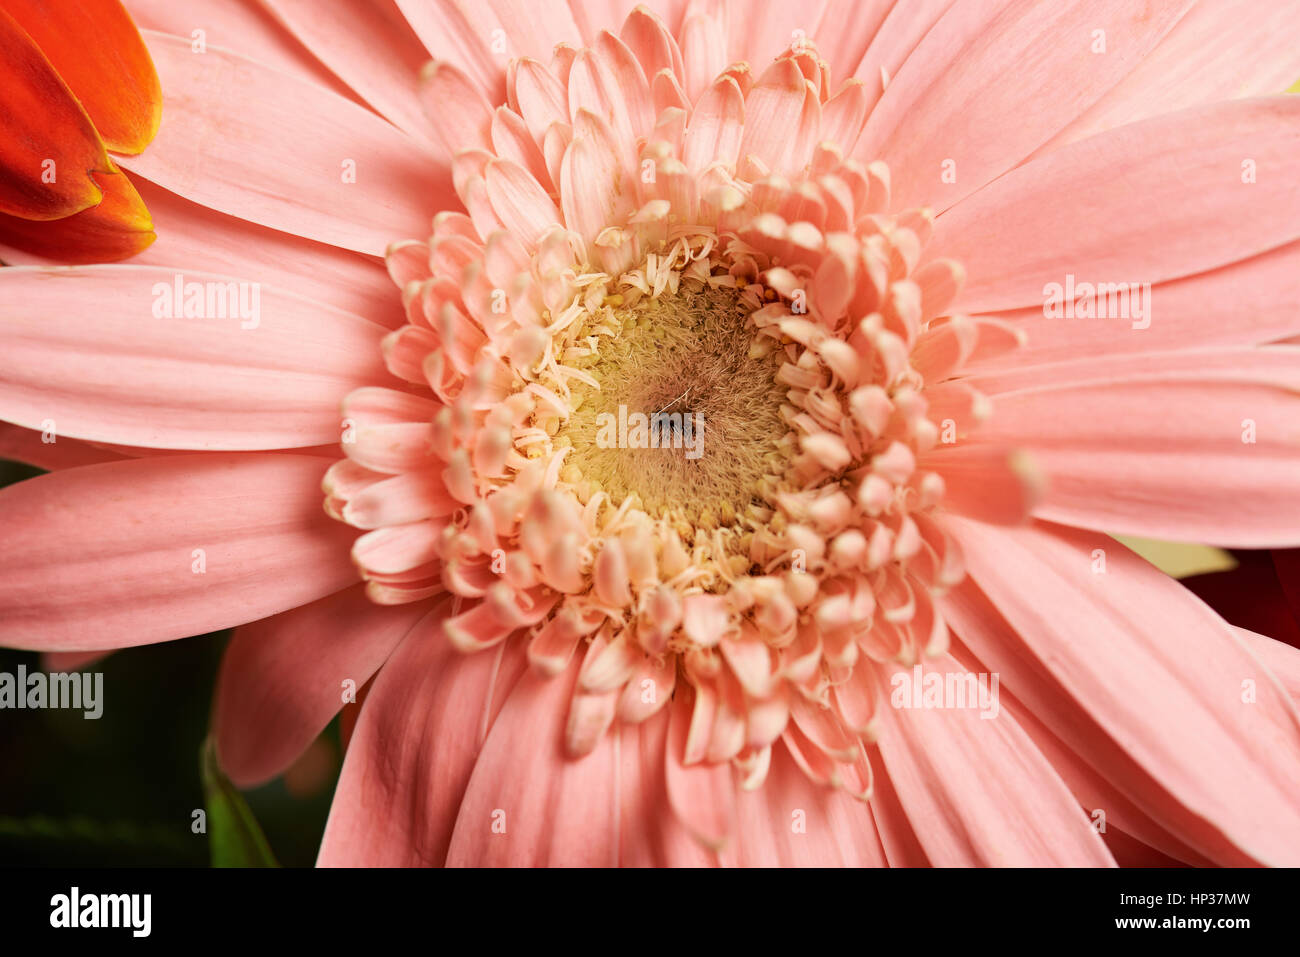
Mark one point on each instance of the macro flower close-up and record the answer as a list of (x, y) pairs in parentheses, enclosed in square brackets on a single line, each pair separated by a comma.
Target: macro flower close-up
[(686, 433)]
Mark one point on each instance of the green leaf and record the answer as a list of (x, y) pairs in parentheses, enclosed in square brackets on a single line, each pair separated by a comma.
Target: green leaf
[(234, 836)]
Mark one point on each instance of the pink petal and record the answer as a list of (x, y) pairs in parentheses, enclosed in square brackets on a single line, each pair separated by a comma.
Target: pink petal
[(511, 140), (108, 556), (534, 27), (899, 36), (790, 821), (1211, 456), (457, 110), (289, 154), (650, 835), (1254, 302), (398, 548), (411, 754), (541, 98), (704, 53), (701, 795), (270, 381), (369, 47), (597, 87), (1148, 202), (391, 431), (1281, 659), (1275, 364), (782, 118), (991, 483), (716, 127), (848, 27), (897, 835), (977, 791), (1253, 56), (406, 497), (1093, 790), (193, 237), (245, 28), (843, 115), (519, 201), (31, 446), (1138, 677), (977, 92), (280, 683), (589, 177), (650, 39), (631, 79), (592, 16), (462, 32), (758, 32), (553, 810)]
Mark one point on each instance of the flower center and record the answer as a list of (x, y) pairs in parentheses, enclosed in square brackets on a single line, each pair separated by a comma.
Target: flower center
[(690, 381), (684, 418)]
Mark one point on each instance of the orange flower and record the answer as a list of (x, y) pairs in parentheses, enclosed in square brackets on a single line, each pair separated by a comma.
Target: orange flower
[(77, 84)]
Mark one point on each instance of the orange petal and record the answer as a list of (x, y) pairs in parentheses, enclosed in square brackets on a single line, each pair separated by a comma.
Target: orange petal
[(48, 145), (119, 227), (96, 48)]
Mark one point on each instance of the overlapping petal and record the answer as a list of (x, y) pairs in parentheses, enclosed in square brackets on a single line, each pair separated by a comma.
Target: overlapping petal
[(153, 549)]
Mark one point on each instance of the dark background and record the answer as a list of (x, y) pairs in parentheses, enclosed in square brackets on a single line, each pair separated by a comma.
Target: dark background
[(122, 789)]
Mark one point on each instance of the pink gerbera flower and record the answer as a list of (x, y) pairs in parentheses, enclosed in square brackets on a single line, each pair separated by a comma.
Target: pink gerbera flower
[(917, 301)]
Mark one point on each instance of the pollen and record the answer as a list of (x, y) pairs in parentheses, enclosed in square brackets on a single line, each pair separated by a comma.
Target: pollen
[(686, 362)]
